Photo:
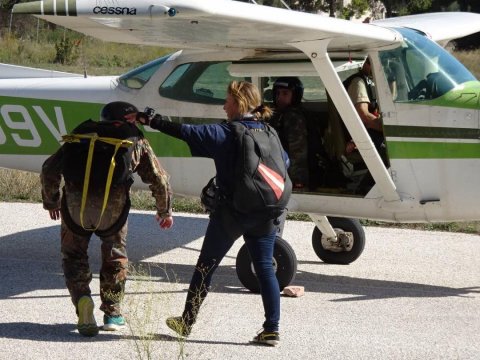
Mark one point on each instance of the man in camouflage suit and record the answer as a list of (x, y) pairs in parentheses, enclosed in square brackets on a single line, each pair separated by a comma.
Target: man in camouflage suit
[(112, 229), (291, 124)]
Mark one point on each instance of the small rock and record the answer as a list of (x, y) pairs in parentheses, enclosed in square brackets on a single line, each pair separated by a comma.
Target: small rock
[(294, 291)]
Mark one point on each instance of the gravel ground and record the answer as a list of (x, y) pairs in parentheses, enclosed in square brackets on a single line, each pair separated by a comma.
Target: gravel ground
[(411, 295)]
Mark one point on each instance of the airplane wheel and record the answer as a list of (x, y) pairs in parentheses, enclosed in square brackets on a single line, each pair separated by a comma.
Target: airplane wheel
[(352, 242), (284, 263)]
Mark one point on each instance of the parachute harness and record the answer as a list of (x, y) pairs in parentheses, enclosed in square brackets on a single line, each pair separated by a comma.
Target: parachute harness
[(117, 143)]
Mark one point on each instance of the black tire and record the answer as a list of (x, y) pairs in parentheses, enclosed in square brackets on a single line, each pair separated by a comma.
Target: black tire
[(283, 256), (340, 257)]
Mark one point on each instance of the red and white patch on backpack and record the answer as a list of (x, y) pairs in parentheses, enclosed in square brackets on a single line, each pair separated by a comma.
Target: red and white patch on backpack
[(273, 179)]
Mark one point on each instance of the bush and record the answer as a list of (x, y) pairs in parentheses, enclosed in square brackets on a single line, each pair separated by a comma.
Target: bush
[(66, 51), (16, 185)]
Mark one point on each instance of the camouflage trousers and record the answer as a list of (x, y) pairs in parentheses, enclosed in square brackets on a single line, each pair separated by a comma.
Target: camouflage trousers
[(113, 273)]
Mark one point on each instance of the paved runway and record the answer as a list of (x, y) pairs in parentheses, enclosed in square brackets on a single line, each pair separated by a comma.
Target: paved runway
[(411, 295)]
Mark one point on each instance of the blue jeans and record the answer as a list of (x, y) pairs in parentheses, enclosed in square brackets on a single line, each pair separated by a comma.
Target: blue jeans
[(223, 229)]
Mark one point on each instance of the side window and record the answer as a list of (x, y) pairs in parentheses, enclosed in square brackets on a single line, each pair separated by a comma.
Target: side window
[(213, 81), (202, 82), (314, 90)]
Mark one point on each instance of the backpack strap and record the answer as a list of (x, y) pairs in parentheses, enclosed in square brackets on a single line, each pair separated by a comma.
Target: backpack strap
[(118, 143)]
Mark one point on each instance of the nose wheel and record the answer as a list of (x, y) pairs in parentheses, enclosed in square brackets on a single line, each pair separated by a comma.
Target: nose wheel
[(284, 263)]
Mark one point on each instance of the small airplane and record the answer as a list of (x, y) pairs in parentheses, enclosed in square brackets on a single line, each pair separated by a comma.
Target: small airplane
[(431, 116)]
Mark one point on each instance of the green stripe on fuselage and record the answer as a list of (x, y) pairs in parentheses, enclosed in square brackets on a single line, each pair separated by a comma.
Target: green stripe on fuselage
[(432, 150), (432, 142), (27, 126)]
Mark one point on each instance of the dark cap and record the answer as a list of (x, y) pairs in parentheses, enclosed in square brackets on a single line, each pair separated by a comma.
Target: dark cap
[(116, 111)]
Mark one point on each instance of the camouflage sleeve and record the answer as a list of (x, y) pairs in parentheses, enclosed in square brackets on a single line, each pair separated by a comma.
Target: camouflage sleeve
[(296, 136), (152, 173), (50, 178)]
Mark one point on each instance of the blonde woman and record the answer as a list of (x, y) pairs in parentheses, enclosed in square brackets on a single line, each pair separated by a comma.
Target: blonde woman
[(217, 141)]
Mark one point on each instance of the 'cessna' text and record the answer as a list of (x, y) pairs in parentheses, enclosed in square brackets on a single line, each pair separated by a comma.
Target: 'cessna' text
[(104, 10)]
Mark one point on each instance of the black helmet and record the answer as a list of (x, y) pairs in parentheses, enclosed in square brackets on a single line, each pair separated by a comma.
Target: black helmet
[(116, 111), (292, 83)]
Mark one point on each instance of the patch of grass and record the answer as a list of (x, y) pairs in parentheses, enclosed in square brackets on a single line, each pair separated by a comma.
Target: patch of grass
[(470, 60), (97, 57), (148, 302), (16, 185)]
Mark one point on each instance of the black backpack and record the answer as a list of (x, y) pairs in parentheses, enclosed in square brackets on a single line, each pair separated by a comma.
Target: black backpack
[(261, 184), (109, 135), (97, 156)]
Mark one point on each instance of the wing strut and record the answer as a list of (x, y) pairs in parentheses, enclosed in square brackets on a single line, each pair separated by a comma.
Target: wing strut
[(317, 52)]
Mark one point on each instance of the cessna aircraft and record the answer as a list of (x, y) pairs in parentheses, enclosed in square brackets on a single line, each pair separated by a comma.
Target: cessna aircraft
[(429, 102)]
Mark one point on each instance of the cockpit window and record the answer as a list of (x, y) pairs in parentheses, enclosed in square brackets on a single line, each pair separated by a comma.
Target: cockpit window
[(314, 89), (420, 69), (201, 82), (137, 78)]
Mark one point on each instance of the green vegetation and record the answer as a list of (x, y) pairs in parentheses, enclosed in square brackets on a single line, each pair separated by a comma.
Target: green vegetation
[(64, 50)]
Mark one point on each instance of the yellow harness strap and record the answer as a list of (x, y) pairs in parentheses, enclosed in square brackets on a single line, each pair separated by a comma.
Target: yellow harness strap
[(118, 143)]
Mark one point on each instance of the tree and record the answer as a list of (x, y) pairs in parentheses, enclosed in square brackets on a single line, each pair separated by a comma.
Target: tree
[(356, 8), (419, 6), (394, 7), (306, 5), (331, 6)]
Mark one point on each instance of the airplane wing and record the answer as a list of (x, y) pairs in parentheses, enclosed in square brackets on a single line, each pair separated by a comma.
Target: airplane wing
[(440, 27), (8, 71), (212, 24)]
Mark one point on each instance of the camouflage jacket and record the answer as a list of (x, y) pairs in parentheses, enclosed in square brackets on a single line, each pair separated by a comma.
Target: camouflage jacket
[(291, 126), (144, 163)]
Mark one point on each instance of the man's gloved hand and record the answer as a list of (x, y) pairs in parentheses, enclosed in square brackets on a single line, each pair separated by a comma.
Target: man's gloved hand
[(146, 116), (143, 118)]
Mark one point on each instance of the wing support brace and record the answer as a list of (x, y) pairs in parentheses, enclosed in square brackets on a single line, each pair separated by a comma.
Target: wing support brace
[(317, 53), (324, 226)]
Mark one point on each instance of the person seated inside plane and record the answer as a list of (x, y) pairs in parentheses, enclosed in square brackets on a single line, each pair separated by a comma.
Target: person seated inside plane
[(290, 122), (361, 89)]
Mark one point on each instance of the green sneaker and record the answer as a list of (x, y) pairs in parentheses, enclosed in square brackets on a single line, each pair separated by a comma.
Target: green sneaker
[(270, 338), (113, 323), (87, 326), (178, 325)]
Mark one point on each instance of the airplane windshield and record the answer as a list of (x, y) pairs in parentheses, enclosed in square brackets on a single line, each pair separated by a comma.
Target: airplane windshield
[(137, 78), (420, 69)]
